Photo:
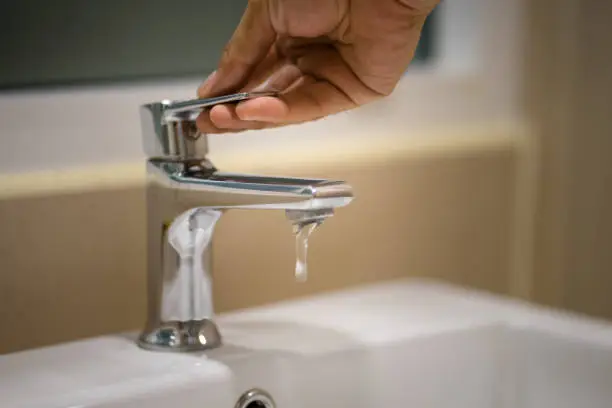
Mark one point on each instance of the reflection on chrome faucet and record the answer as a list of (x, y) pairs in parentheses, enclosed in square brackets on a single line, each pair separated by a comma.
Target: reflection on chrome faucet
[(185, 196), (188, 293)]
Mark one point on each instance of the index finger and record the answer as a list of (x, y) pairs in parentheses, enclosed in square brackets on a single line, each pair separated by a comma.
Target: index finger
[(248, 46)]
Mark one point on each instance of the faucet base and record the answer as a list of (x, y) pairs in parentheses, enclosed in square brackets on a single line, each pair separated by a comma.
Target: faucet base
[(194, 335)]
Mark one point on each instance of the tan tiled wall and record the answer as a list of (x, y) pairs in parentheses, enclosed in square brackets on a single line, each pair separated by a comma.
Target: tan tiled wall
[(72, 264)]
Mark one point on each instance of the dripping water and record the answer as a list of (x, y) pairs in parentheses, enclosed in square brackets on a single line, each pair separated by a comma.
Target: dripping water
[(302, 231), (304, 224)]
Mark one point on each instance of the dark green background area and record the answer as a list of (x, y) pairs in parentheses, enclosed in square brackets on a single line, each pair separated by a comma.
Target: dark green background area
[(73, 42)]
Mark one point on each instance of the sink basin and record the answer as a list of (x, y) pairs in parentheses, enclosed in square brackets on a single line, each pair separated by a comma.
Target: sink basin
[(402, 343)]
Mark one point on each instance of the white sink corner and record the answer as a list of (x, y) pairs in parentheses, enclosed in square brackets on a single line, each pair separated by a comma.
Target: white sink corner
[(401, 343)]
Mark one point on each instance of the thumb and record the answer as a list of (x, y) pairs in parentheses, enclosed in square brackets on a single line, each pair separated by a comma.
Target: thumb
[(248, 46)]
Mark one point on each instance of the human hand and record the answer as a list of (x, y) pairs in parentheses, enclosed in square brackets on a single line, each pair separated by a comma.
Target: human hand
[(323, 56)]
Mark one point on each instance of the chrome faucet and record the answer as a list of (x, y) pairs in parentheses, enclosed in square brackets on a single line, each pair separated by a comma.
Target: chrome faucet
[(185, 196)]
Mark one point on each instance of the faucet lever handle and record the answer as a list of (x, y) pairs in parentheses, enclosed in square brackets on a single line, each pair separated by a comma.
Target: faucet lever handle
[(169, 130), (189, 109)]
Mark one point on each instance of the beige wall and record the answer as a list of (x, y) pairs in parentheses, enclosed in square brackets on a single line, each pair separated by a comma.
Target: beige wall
[(570, 98), (72, 263)]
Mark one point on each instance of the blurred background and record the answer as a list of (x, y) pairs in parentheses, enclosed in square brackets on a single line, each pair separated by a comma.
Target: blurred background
[(488, 167)]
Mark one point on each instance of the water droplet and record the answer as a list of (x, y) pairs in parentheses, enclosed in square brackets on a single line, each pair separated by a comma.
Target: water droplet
[(304, 223), (302, 231)]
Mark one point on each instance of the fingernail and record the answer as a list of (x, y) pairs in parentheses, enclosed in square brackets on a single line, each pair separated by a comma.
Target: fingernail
[(208, 83), (256, 118), (248, 114)]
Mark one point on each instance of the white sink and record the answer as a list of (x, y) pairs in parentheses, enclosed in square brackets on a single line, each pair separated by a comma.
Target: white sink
[(405, 343)]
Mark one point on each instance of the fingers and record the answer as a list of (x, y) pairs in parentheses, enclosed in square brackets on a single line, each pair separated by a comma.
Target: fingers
[(280, 79), (248, 46), (223, 118), (328, 87), (310, 100), (321, 83), (266, 109), (274, 73), (260, 74)]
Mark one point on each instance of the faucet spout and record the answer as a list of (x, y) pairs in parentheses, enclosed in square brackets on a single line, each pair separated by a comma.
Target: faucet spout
[(199, 184)]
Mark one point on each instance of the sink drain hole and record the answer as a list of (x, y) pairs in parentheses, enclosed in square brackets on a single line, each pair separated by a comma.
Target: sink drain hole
[(255, 398), (256, 404)]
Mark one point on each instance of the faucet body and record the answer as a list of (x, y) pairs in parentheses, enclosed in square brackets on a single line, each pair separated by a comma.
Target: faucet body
[(185, 195)]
